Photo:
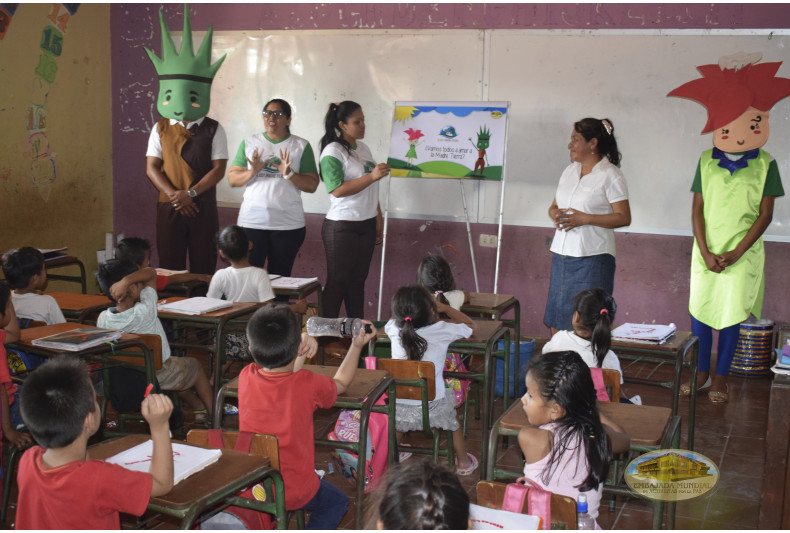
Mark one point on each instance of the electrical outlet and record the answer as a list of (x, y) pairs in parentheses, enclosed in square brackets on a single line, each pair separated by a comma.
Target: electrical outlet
[(487, 241)]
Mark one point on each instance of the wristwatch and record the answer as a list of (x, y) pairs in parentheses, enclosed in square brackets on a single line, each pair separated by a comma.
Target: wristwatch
[(192, 192)]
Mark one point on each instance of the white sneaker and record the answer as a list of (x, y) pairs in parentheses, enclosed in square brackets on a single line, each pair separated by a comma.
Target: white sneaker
[(636, 400)]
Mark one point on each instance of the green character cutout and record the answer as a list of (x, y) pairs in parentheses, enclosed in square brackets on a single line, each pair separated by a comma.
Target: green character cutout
[(483, 139)]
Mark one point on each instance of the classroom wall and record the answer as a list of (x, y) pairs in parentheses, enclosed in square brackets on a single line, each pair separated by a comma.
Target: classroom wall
[(56, 165), (652, 270)]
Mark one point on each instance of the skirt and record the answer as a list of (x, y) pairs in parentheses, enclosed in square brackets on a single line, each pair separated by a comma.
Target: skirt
[(408, 417), (569, 277)]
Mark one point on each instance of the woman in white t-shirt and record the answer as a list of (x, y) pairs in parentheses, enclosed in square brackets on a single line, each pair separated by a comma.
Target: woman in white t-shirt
[(591, 200), (276, 167), (353, 225)]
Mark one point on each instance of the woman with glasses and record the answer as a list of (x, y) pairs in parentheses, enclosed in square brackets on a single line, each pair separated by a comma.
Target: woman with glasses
[(276, 167)]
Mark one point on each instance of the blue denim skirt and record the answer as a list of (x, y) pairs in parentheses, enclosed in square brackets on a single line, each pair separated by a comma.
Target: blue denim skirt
[(569, 277)]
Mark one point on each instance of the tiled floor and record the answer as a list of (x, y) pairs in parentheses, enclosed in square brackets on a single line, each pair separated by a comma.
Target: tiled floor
[(732, 435)]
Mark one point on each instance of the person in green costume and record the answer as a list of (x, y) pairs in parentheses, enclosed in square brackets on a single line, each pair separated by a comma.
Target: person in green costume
[(734, 190), (187, 153)]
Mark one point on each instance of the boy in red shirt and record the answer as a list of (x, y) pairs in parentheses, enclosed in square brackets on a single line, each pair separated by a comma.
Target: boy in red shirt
[(276, 396), (60, 486)]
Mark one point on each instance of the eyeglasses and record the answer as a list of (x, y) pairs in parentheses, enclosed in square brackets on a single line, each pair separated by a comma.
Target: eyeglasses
[(275, 114)]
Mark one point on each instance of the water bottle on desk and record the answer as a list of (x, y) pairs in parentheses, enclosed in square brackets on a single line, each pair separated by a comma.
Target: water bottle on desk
[(584, 520), (335, 327)]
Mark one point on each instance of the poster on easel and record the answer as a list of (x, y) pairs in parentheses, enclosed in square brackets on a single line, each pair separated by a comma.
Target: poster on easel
[(448, 140)]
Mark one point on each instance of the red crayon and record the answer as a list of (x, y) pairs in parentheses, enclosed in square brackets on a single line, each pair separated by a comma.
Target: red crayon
[(148, 390)]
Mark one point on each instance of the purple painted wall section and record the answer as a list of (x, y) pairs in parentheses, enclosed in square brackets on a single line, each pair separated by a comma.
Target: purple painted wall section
[(652, 271)]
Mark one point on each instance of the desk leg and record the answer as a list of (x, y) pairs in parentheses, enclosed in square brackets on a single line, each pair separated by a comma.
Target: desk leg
[(693, 397), (362, 463), (219, 356)]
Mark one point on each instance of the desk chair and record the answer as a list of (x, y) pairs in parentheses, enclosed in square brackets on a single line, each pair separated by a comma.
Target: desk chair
[(415, 380), (263, 445), (563, 509)]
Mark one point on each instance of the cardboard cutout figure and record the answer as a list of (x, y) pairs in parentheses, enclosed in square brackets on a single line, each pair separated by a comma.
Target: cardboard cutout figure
[(187, 153), (734, 190)]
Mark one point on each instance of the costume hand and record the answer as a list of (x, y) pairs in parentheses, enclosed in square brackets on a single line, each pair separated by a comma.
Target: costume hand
[(728, 258), (308, 347), (712, 262), (255, 163), (119, 290), (379, 171), (569, 219), (18, 438), (363, 338), (285, 162), (156, 409)]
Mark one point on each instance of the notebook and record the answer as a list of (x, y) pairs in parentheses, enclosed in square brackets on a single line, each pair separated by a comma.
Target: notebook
[(186, 459), (291, 283), (195, 306), (649, 333), (78, 339)]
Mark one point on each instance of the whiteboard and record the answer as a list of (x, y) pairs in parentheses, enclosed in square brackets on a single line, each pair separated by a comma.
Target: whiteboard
[(551, 78)]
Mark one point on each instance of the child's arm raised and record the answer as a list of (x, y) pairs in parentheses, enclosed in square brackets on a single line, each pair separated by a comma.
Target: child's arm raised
[(307, 349), (345, 374), (455, 314), (156, 410), (144, 275), (187, 277)]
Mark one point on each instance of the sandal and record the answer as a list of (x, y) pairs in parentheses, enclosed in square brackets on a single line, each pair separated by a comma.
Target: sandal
[(718, 396), (201, 417), (469, 469), (685, 389)]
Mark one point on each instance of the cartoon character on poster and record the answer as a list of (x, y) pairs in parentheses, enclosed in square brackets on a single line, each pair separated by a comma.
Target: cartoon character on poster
[(734, 190), (187, 153), (483, 140), (414, 138)]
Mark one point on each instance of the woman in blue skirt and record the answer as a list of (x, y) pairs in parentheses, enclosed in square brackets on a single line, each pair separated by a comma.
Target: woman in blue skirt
[(591, 200)]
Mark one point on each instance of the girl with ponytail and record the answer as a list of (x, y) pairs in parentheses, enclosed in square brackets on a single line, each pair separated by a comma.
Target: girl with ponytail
[(567, 451), (353, 224), (591, 338), (417, 334)]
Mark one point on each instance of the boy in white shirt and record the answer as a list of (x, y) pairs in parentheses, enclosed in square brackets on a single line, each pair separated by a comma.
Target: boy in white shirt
[(26, 275)]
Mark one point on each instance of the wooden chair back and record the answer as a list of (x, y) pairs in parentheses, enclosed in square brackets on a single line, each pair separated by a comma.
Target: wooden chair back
[(262, 444), (153, 342), (405, 369), (563, 509), (611, 380)]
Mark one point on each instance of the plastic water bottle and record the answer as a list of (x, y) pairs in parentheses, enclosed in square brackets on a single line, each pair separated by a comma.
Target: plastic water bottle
[(585, 521), (335, 327)]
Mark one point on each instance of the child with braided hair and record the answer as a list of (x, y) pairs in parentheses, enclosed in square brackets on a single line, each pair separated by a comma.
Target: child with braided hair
[(567, 451)]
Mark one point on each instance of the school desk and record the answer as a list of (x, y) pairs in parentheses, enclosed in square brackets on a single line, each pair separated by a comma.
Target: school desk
[(216, 485), (221, 322), (64, 261), (482, 342), (78, 307), (302, 292), (682, 348), (366, 387), (187, 289), (484, 304), (649, 427)]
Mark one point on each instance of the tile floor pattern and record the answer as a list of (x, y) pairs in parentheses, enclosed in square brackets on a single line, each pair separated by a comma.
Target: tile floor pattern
[(732, 435)]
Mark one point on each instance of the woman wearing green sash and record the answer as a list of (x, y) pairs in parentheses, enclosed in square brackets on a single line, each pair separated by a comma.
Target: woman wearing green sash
[(734, 190)]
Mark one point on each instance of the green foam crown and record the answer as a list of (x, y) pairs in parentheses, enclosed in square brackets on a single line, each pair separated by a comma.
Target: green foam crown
[(184, 64)]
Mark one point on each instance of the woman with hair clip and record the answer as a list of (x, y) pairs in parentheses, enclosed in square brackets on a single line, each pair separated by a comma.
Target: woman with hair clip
[(591, 201), (276, 167), (353, 225)]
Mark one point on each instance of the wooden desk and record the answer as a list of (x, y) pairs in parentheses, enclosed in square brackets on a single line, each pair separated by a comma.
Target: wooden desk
[(301, 293), (63, 261), (366, 387), (215, 485), (77, 307), (675, 350), (188, 289), (217, 321), (495, 305), (482, 342)]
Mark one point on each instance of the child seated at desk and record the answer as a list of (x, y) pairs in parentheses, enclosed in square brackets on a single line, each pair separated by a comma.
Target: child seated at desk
[(138, 251), (133, 291), (60, 486), (9, 394), (25, 272), (241, 282), (277, 396)]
